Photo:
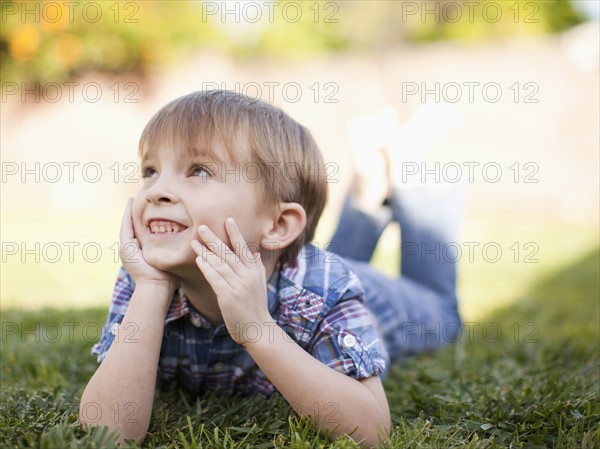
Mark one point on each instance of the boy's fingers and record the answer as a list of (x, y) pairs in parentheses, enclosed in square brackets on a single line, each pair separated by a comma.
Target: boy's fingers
[(218, 248), (238, 242), (217, 267), (215, 280), (126, 233)]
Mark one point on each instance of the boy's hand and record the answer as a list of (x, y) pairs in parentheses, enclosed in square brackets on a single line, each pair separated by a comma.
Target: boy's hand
[(237, 277), (133, 260)]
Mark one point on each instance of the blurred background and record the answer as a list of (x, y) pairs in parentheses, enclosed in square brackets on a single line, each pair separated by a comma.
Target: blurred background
[(503, 95)]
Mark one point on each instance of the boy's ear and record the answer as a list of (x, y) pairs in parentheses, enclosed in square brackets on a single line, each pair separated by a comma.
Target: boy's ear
[(285, 227)]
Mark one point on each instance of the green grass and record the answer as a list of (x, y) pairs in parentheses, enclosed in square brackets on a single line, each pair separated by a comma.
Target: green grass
[(535, 386)]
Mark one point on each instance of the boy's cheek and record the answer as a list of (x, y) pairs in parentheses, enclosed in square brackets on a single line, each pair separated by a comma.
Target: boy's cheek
[(216, 225)]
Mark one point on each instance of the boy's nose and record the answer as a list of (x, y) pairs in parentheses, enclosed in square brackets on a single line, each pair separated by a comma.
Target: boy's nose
[(158, 193), (156, 199)]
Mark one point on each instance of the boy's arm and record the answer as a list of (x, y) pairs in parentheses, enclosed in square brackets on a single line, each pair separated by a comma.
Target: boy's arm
[(121, 391), (359, 407), (334, 401), (120, 394)]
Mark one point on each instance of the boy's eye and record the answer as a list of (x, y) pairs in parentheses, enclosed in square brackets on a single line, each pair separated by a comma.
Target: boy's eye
[(149, 172), (198, 170)]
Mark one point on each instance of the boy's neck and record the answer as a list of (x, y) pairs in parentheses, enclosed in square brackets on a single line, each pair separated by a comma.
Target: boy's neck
[(203, 298)]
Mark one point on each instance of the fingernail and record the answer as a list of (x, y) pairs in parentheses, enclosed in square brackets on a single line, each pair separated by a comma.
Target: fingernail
[(230, 220), (203, 229)]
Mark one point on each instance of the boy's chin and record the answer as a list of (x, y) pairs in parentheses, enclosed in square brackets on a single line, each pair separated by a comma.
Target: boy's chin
[(170, 264)]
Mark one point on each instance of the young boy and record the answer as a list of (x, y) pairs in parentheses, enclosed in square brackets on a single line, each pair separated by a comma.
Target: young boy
[(220, 289)]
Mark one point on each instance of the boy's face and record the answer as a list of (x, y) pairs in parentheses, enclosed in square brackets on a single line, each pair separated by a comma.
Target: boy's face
[(179, 194)]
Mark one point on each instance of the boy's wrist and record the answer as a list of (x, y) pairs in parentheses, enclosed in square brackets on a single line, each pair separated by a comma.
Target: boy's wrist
[(157, 286), (158, 294), (264, 333)]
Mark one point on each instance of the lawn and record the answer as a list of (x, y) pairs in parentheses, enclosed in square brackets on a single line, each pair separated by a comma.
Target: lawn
[(525, 375)]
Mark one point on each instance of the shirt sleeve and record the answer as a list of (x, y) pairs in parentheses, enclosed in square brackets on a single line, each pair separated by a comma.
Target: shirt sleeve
[(348, 341), (120, 301)]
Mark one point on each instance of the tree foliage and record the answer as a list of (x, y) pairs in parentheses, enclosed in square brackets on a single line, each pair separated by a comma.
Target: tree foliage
[(55, 40)]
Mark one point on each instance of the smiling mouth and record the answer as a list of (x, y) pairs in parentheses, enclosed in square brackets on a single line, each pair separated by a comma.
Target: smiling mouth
[(165, 227)]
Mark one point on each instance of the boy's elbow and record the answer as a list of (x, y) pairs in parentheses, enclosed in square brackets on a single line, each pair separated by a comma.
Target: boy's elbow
[(374, 432), (138, 438), (369, 434), (124, 431)]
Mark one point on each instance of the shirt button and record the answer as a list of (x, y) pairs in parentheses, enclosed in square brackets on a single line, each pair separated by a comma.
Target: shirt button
[(195, 319), (219, 367), (349, 341)]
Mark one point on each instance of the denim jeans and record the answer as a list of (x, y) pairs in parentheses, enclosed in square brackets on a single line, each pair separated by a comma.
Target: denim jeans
[(417, 310)]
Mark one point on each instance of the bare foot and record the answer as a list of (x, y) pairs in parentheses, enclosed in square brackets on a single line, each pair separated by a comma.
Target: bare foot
[(368, 136)]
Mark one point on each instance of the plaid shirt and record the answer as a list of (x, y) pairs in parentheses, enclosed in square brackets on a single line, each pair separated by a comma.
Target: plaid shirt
[(316, 300)]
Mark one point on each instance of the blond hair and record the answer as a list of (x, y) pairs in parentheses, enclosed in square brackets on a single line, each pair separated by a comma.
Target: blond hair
[(283, 153)]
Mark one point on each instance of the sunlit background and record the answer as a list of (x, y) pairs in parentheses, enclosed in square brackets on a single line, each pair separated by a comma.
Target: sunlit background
[(487, 85)]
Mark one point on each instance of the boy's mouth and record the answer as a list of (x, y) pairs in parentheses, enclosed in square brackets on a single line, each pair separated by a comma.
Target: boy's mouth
[(165, 227)]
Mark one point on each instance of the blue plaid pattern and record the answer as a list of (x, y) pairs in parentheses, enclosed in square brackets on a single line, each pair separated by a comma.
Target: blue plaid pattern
[(317, 301)]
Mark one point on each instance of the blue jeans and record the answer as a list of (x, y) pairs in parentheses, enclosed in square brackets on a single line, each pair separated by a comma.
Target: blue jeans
[(417, 310)]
